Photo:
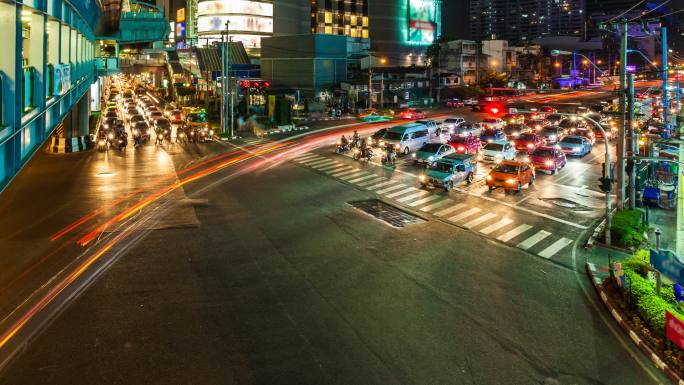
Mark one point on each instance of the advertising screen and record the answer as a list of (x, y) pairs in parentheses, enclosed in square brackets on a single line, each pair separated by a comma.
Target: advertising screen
[(237, 23), (423, 19), (244, 7)]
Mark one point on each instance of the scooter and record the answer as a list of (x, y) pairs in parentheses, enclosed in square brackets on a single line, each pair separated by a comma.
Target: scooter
[(102, 145), (160, 139), (389, 156), (343, 148)]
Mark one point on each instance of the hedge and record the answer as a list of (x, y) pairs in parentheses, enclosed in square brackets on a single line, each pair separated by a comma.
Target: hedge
[(626, 228)]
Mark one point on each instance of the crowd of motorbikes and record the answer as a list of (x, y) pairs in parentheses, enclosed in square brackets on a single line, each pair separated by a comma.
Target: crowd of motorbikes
[(116, 137), (361, 150)]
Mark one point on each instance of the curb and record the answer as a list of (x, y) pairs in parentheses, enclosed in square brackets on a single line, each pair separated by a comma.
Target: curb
[(670, 373)]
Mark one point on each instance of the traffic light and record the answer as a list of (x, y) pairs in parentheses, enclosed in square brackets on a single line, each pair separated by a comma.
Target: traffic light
[(254, 85), (605, 184)]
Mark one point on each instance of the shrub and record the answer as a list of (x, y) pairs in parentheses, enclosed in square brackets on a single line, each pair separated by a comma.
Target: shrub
[(626, 228)]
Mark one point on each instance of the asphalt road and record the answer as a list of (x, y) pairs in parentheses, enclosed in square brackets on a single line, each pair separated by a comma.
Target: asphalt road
[(271, 276)]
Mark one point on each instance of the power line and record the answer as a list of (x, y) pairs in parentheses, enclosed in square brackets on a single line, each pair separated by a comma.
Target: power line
[(623, 13), (646, 13)]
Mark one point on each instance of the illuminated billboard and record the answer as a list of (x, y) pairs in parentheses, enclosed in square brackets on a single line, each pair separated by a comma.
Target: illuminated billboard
[(242, 7), (423, 21)]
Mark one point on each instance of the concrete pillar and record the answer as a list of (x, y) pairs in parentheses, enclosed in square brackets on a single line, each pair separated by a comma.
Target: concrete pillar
[(84, 114)]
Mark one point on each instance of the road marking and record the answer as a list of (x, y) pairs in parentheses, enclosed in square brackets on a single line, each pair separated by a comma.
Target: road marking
[(513, 233), (450, 209), (465, 214), (555, 247), (373, 187), (413, 196), (336, 167), (402, 192), (391, 188), (372, 181), (496, 226), (424, 200), (305, 156), (312, 161), (337, 174), (479, 220), (341, 169), (326, 165), (353, 175), (318, 162), (436, 205), (533, 240), (362, 178)]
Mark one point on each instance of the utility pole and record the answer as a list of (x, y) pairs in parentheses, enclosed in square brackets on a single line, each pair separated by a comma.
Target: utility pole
[(632, 143), (382, 91), (370, 78), (620, 166), (439, 72), (666, 96), (223, 83)]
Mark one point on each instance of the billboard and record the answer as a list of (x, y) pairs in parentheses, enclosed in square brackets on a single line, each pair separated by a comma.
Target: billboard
[(423, 21), (240, 7), (180, 15)]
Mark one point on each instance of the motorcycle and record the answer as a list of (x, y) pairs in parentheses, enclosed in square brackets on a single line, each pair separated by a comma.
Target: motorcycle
[(389, 156), (356, 153), (368, 154), (167, 135), (343, 148), (160, 139), (180, 136), (137, 139), (102, 145)]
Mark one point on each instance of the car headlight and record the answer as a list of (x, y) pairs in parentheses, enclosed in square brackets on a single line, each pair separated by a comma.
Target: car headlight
[(510, 181), (397, 146), (431, 158), (552, 137), (516, 134), (530, 145), (381, 143), (549, 163), (490, 140), (211, 132), (422, 178), (101, 142), (489, 177), (110, 136), (575, 149), (413, 155)]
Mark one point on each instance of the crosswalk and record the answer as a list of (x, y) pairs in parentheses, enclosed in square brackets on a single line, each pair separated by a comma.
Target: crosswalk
[(254, 141), (500, 227)]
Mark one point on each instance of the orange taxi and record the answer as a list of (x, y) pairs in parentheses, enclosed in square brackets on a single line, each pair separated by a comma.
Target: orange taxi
[(510, 175)]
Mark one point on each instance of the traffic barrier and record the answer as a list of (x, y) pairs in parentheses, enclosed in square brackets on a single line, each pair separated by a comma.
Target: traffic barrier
[(67, 145)]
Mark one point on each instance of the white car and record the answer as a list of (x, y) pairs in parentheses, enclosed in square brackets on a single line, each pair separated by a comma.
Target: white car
[(495, 123), (470, 102), (450, 123), (497, 151)]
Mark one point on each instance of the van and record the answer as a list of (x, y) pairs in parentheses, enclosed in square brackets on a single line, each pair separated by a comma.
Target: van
[(407, 138)]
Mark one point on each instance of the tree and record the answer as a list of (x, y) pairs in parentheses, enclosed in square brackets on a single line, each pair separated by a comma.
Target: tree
[(495, 79)]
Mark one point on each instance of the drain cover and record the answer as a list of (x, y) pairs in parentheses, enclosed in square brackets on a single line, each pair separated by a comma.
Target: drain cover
[(566, 203), (387, 213)]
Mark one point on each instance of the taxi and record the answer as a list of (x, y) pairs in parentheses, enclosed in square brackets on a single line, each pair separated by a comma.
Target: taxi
[(510, 175), (450, 171)]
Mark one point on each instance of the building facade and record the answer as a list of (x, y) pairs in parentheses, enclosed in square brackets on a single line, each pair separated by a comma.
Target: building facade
[(460, 57), (45, 76), (521, 21), (298, 17)]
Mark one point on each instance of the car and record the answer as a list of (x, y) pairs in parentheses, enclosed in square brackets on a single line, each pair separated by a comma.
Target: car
[(151, 109), (513, 131), (111, 114), (407, 137), (470, 101), (513, 118), (454, 103), (450, 171), (575, 145), (536, 124), (412, 113), (553, 119), (449, 124), (153, 116), (549, 159), (465, 144), (569, 125), (533, 115), (548, 110), (132, 111), (490, 135), (175, 116), (468, 129), (497, 151), (196, 119), (144, 129), (493, 123), (162, 124), (528, 141), (430, 152), (374, 140), (136, 118), (375, 117), (108, 123), (551, 134), (587, 133), (510, 175), (168, 109)]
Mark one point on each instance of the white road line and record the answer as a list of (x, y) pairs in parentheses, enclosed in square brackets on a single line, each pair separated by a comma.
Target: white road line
[(465, 214), (354, 175), (305, 155), (413, 196), (424, 200), (324, 165), (555, 247), (372, 181), (449, 210), (332, 168), (436, 205), (345, 172), (391, 188), (362, 178), (313, 161), (513, 233), (319, 162), (383, 184), (334, 171), (479, 220), (401, 192), (496, 226), (533, 240)]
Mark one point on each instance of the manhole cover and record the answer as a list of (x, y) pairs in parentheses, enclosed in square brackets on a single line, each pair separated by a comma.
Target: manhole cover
[(566, 203), (387, 213)]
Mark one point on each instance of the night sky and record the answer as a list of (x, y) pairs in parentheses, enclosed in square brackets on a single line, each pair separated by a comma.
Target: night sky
[(455, 18)]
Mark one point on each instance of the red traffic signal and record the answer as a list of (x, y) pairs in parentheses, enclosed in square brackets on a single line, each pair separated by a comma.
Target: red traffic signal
[(255, 84)]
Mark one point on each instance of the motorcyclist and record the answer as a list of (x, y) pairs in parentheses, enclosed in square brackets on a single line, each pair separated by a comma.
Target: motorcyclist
[(356, 139), (391, 153), (344, 142), (159, 135)]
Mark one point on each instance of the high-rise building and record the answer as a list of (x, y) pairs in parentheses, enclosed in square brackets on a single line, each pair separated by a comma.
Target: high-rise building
[(521, 21), (249, 21), (331, 17)]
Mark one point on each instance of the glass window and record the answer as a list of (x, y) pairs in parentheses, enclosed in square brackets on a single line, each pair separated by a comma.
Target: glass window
[(328, 17)]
